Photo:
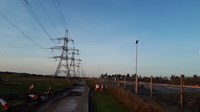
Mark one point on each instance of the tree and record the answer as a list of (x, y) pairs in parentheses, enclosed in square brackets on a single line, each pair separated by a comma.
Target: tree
[(101, 76), (127, 76), (174, 79)]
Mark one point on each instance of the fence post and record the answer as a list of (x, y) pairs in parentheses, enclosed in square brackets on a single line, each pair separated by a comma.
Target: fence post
[(124, 82), (151, 86), (136, 84), (181, 95)]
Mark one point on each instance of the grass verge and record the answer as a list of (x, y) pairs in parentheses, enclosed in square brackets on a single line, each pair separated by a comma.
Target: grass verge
[(104, 102), (125, 99)]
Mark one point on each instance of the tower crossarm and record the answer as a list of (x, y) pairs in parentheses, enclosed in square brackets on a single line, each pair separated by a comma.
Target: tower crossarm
[(65, 39), (60, 48), (79, 60)]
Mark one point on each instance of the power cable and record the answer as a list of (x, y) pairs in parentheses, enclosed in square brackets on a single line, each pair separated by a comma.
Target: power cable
[(34, 15), (48, 16), (22, 56), (22, 32), (14, 46), (9, 44), (59, 12)]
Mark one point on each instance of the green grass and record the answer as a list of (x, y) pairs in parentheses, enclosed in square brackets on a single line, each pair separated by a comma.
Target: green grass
[(15, 89), (106, 103), (21, 85), (103, 102)]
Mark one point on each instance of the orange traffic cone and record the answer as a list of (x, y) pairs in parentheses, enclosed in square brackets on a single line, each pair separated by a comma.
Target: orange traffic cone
[(5, 105)]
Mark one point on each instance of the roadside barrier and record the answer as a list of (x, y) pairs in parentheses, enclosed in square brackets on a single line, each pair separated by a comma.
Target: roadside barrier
[(97, 87), (35, 96), (31, 88), (49, 92), (41, 96), (5, 105)]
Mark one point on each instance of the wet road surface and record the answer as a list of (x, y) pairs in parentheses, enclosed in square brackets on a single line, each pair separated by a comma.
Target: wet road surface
[(75, 100)]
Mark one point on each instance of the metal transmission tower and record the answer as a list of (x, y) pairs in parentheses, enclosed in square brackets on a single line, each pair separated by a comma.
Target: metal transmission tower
[(78, 65), (75, 63), (65, 58), (73, 53)]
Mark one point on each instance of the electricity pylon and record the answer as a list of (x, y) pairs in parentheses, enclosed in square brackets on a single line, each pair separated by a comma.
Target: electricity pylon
[(78, 65), (64, 63), (73, 53)]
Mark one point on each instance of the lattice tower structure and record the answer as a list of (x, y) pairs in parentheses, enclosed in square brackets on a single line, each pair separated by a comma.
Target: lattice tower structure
[(65, 58)]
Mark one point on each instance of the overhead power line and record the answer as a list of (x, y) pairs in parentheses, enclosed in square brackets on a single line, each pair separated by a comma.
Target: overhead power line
[(34, 15), (22, 56), (22, 32), (59, 12), (15, 46), (47, 14), (25, 45)]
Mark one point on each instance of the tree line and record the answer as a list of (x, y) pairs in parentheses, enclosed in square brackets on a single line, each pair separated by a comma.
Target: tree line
[(173, 79)]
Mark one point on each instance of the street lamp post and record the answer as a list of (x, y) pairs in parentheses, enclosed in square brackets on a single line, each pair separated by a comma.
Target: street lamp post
[(136, 76)]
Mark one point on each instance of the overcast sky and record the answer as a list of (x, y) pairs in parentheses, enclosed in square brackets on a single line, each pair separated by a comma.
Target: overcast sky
[(105, 32)]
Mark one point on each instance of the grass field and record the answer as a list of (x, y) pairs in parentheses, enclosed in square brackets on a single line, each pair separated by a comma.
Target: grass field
[(15, 89)]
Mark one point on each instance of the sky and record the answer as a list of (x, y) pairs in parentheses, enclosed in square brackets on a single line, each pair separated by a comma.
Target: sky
[(105, 32)]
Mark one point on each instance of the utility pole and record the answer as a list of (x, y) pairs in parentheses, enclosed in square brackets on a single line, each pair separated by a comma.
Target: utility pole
[(136, 76)]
